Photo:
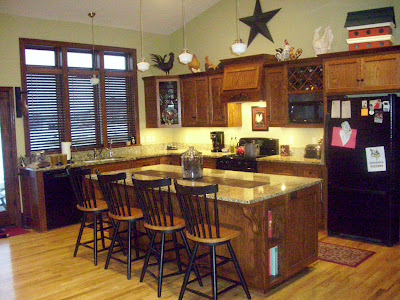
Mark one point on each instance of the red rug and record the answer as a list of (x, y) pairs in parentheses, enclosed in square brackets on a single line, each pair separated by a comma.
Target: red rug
[(342, 255), (12, 231)]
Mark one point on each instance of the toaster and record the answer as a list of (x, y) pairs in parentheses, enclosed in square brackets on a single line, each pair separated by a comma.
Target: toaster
[(312, 151)]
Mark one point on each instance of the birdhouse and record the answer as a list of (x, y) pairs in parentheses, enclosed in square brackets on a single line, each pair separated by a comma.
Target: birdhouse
[(370, 28)]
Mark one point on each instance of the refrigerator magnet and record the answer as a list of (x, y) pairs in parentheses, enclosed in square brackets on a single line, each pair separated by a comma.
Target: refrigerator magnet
[(364, 112), (377, 103), (364, 104), (378, 118), (376, 161), (386, 106)]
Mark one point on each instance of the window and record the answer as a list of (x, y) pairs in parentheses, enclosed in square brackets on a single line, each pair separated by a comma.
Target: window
[(64, 106)]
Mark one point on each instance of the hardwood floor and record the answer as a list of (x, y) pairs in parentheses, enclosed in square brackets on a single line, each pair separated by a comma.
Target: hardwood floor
[(41, 266)]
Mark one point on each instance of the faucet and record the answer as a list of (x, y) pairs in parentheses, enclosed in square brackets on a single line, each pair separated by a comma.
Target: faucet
[(110, 153)]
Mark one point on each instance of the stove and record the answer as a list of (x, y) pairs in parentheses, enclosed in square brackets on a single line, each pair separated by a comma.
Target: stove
[(245, 163)]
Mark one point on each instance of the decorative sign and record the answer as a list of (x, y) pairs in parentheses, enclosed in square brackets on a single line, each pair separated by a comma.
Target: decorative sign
[(259, 115), (376, 161)]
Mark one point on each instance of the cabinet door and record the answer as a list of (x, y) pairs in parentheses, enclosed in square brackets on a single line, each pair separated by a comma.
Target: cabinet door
[(381, 72), (202, 101), (189, 102), (342, 75), (276, 96), (219, 110), (195, 102)]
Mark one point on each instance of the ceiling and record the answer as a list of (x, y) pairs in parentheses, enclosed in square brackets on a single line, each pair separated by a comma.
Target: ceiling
[(159, 16)]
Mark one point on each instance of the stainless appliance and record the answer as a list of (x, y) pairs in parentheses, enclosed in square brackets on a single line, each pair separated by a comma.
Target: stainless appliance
[(248, 163), (217, 138), (312, 151), (363, 195)]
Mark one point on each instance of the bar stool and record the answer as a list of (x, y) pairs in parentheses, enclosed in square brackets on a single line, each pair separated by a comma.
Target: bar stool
[(120, 207), (202, 227), (155, 200), (82, 185)]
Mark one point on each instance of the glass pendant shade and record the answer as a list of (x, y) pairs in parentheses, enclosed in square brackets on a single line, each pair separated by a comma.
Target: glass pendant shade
[(238, 47), (143, 66), (94, 80), (185, 57)]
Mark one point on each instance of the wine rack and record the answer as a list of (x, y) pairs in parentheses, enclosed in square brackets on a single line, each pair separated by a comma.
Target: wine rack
[(305, 79)]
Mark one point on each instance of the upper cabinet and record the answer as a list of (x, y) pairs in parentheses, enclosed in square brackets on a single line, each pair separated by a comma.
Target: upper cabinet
[(202, 105), (162, 101), (276, 96), (363, 72), (243, 78)]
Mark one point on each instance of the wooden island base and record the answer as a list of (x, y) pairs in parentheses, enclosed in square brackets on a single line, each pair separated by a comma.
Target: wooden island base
[(286, 220)]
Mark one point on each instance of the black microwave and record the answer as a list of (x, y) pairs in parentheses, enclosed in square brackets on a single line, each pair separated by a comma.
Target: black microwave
[(306, 108)]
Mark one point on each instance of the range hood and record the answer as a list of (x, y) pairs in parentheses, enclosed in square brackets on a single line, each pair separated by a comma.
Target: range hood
[(243, 78)]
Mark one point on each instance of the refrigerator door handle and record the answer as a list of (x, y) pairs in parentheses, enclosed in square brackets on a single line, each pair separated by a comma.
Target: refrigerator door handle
[(326, 138)]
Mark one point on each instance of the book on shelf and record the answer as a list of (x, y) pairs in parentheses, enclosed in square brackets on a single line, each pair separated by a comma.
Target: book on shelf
[(273, 261), (270, 229)]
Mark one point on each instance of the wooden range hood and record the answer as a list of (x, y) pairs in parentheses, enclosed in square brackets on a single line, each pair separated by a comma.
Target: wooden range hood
[(243, 78)]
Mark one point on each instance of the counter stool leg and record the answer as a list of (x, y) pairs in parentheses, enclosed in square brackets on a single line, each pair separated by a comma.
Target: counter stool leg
[(148, 254), (188, 271), (239, 271), (102, 230), (116, 228), (129, 250), (95, 238), (78, 241), (214, 272), (161, 266), (178, 256), (189, 253)]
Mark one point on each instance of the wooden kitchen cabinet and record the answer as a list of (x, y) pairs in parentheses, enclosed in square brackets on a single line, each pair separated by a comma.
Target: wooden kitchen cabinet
[(362, 74), (201, 103), (302, 170), (143, 162), (195, 104), (162, 101), (276, 96)]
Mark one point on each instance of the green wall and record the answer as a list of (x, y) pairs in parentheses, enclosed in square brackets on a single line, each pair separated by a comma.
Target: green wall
[(210, 34)]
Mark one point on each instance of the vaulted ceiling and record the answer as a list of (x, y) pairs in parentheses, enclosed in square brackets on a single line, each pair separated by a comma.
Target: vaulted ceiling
[(159, 16)]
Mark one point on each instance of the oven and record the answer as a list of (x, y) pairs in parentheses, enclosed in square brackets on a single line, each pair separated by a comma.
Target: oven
[(245, 163)]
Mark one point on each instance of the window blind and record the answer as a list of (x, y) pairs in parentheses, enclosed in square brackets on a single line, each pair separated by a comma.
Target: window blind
[(120, 109), (85, 111), (46, 117)]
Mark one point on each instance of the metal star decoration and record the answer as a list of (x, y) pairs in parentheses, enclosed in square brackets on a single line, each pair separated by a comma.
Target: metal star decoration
[(258, 22)]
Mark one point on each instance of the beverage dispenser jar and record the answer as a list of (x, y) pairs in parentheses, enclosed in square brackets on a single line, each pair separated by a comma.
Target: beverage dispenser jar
[(192, 164)]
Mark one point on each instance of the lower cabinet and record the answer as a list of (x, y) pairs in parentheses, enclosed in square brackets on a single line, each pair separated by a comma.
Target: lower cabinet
[(302, 170)]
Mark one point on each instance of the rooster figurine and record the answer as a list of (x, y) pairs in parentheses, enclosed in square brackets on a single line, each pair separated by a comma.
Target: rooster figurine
[(161, 64), (283, 53), (321, 44), (209, 65), (194, 65)]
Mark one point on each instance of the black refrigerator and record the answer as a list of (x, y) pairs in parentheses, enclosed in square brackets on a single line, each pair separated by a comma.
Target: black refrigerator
[(362, 158)]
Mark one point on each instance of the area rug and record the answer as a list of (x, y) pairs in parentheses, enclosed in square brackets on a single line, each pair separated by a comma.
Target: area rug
[(342, 255), (12, 231)]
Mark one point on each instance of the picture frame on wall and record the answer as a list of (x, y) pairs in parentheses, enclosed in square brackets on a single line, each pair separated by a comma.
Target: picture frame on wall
[(259, 118)]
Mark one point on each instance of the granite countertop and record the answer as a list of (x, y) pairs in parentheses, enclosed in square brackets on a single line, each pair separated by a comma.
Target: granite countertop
[(206, 153), (238, 187)]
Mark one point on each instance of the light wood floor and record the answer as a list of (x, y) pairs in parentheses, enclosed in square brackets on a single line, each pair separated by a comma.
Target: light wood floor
[(41, 266)]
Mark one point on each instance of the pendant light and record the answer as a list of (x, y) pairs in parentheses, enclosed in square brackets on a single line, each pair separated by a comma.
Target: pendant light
[(94, 80), (185, 57), (143, 65), (238, 47)]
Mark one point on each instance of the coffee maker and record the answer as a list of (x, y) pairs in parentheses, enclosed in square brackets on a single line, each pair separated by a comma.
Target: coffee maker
[(217, 138)]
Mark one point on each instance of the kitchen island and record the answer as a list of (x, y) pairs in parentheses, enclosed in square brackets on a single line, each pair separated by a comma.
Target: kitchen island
[(275, 214)]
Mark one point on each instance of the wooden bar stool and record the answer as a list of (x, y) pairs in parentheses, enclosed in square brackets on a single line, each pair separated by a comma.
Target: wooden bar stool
[(155, 200), (115, 192), (202, 227), (82, 185)]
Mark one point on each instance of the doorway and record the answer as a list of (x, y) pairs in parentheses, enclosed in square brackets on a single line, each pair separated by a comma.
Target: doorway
[(10, 207)]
